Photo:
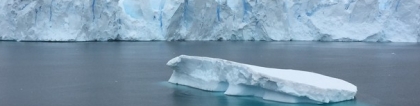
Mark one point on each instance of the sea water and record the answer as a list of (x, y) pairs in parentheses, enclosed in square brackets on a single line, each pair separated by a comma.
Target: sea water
[(135, 74)]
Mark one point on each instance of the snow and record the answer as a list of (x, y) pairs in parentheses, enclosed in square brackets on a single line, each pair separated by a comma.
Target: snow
[(145, 20), (283, 85)]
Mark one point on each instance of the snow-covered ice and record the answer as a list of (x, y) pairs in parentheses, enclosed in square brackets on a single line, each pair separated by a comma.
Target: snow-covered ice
[(278, 20), (283, 85)]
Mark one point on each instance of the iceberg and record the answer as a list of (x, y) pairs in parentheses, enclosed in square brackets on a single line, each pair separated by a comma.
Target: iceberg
[(238, 79), (268, 20)]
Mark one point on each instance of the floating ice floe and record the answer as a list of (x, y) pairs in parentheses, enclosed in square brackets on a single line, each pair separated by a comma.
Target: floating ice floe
[(282, 85)]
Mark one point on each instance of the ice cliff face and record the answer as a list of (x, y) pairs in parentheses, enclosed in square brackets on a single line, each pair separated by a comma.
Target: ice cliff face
[(313, 20), (59, 20)]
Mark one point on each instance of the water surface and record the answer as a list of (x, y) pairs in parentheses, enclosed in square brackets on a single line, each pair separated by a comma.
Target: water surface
[(135, 74)]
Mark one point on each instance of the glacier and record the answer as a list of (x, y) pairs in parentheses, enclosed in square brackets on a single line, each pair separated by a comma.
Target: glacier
[(268, 20), (238, 79)]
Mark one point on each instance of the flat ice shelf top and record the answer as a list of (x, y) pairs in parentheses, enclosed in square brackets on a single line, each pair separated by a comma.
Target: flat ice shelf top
[(304, 77), (283, 85)]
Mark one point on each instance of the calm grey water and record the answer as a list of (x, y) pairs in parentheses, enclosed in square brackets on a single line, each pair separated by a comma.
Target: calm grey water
[(135, 74)]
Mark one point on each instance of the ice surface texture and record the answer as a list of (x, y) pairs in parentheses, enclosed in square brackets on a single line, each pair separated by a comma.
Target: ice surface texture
[(309, 20), (283, 85)]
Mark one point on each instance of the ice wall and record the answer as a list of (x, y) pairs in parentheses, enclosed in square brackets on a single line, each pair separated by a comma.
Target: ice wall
[(309, 20), (59, 20)]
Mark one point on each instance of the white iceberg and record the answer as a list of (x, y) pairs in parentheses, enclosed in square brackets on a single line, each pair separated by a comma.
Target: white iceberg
[(283, 85)]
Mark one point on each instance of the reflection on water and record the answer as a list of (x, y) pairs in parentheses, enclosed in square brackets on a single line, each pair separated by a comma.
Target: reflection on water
[(187, 96)]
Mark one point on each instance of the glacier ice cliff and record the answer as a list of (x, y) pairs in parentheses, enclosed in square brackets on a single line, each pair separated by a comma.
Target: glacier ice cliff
[(283, 85), (277, 20)]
